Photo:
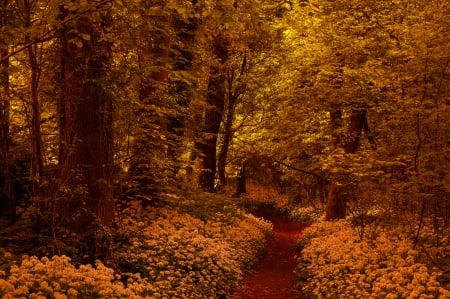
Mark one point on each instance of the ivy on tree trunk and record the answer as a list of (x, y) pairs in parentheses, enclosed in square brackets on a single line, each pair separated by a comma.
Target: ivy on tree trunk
[(86, 160)]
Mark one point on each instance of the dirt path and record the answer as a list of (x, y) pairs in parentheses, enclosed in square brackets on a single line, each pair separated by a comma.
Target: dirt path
[(273, 278)]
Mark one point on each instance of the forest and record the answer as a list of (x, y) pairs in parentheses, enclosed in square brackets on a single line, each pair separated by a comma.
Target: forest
[(141, 139)]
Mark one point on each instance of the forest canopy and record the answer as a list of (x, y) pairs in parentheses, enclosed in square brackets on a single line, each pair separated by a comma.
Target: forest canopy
[(340, 105)]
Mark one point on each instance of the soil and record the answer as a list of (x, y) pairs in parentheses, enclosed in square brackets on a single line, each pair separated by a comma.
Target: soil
[(273, 278)]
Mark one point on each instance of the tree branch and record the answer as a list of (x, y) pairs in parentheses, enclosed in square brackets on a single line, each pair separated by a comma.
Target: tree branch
[(303, 171)]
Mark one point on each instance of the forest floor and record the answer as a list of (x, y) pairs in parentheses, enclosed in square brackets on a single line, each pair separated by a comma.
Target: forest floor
[(273, 277)]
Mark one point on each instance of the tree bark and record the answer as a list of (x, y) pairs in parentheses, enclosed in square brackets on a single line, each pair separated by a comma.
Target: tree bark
[(182, 59), (37, 154), (6, 191), (233, 95), (241, 186), (213, 117), (86, 161), (353, 137), (148, 146)]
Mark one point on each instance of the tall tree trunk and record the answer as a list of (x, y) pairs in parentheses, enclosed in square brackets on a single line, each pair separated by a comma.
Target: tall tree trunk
[(233, 95), (355, 127), (223, 151), (213, 116), (37, 154), (336, 205), (148, 146), (6, 191), (182, 60), (241, 184), (86, 162)]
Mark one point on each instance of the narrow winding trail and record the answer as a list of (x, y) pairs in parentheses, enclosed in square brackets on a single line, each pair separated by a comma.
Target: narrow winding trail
[(273, 278)]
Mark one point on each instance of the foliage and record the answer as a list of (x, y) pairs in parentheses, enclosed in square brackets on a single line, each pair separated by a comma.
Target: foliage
[(259, 196), (336, 263)]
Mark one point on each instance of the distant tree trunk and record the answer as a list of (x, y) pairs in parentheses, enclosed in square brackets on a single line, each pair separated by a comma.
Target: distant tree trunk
[(223, 151), (6, 191), (38, 151), (233, 95), (241, 186), (350, 141), (356, 125), (182, 59), (213, 117), (86, 162), (37, 154)]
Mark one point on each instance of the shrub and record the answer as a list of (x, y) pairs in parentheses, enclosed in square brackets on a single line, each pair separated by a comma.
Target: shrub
[(162, 253), (306, 214), (185, 257), (336, 263)]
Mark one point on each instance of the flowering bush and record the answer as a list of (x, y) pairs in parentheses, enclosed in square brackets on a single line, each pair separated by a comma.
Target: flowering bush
[(162, 253), (306, 214), (336, 263), (185, 257), (58, 278)]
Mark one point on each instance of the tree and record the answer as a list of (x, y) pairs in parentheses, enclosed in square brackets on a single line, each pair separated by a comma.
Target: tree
[(86, 160), (215, 101), (151, 44), (6, 192)]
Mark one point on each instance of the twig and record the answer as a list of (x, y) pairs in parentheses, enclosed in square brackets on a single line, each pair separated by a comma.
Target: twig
[(433, 260), (302, 171)]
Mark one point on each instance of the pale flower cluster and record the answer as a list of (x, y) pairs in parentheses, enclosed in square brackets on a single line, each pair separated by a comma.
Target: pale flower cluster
[(306, 214), (336, 263), (185, 257), (168, 255), (58, 278)]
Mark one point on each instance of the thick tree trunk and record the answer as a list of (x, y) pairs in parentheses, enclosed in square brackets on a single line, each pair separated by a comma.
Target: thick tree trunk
[(213, 117), (182, 60), (336, 205), (86, 162), (7, 198)]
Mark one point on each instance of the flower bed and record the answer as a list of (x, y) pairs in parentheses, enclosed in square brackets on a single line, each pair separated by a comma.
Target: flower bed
[(164, 254), (336, 263)]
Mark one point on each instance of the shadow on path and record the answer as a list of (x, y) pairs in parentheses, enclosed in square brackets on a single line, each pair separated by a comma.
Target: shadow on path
[(273, 277)]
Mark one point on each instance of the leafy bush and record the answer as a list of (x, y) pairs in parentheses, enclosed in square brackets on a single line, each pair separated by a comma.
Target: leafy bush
[(259, 196), (336, 263)]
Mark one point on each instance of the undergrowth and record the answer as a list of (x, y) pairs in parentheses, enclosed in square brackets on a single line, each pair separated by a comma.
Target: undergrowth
[(336, 261), (196, 246)]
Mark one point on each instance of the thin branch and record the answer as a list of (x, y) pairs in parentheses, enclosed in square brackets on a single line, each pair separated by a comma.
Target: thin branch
[(433, 260), (302, 171)]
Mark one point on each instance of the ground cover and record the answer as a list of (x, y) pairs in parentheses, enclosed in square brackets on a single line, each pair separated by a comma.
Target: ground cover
[(337, 262), (184, 251)]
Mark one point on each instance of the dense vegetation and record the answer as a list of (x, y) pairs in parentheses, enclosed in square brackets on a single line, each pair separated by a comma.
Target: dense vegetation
[(130, 132)]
